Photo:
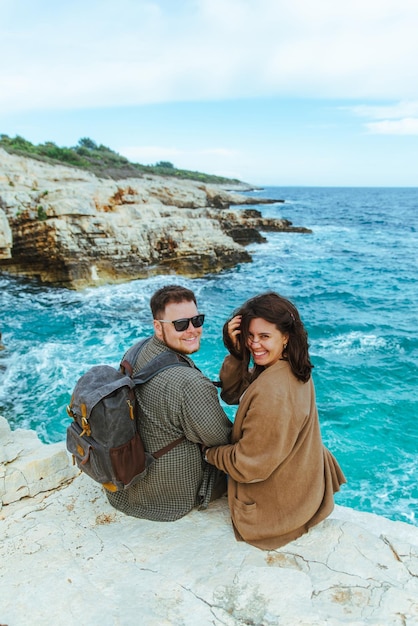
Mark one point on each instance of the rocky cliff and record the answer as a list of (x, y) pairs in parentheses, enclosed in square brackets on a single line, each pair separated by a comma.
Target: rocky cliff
[(69, 558), (65, 226)]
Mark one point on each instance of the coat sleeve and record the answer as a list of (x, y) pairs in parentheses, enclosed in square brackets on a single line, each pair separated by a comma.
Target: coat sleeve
[(269, 433), (234, 380), (201, 416)]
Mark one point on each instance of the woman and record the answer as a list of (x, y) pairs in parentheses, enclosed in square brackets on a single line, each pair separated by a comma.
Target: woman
[(281, 477)]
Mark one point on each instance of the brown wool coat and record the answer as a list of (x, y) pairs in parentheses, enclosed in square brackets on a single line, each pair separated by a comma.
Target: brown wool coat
[(281, 478)]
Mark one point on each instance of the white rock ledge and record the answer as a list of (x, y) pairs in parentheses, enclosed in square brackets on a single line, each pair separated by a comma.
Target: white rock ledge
[(68, 558)]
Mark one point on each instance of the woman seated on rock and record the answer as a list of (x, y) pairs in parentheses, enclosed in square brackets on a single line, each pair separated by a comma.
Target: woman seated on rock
[(281, 478)]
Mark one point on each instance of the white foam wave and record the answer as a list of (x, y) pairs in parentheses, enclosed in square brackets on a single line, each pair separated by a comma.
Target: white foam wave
[(353, 342)]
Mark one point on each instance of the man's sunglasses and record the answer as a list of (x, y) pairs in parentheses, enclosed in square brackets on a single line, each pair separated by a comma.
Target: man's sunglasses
[(183, 323)]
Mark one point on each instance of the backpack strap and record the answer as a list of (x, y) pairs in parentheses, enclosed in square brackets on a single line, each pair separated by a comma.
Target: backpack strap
[(131, 356), (155, 366), (158, 364), (168, 447)]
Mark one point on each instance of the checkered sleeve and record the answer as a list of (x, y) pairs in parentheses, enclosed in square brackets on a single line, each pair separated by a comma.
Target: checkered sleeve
[(202, 418)]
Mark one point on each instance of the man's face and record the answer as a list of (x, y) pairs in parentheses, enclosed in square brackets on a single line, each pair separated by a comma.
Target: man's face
[(185, 342)]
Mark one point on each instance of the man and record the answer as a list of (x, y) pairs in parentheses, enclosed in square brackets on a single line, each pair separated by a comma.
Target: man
[(179, 401)]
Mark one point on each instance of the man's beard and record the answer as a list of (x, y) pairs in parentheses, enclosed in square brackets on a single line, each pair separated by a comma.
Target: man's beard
[(178, 349)]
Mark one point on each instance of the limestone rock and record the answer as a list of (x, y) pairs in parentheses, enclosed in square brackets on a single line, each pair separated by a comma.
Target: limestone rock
[(29, 467), (5, 237), (69, 558), (67, 227)]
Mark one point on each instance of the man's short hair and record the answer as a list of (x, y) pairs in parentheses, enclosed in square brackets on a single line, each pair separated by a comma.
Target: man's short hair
[(168, 294)]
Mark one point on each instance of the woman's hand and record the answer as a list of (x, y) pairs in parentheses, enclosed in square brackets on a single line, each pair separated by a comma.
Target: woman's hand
[(234, 331)]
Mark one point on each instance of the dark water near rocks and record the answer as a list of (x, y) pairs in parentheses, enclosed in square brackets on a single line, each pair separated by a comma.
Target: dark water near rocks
[(354, 281)]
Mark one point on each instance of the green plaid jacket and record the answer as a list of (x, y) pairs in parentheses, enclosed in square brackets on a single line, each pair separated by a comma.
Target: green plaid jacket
[(176, 402)]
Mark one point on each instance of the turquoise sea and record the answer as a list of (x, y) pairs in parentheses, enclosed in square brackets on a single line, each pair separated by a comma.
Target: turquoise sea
[(354, 280)]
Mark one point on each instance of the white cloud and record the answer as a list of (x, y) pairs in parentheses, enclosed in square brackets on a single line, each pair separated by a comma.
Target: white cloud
[(101, 53), (406, 126), (393, 111), (400, 118)]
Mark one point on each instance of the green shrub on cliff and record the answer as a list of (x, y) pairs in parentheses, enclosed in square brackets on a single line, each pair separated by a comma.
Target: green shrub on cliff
[(100, 160)]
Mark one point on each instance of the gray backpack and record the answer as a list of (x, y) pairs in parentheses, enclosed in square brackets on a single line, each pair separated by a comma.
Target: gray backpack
[(104, 437)]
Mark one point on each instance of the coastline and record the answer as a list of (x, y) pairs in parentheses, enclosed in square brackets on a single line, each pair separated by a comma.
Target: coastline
[(62, 539), (67, 227)]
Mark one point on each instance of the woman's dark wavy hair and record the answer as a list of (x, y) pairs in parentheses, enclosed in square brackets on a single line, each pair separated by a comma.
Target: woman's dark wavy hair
[(277, 310)]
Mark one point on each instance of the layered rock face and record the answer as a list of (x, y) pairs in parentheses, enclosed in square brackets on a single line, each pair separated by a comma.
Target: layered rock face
[(67, 227)]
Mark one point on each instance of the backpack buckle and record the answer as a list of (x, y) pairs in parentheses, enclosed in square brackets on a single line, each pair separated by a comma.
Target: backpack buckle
[(86, 427)]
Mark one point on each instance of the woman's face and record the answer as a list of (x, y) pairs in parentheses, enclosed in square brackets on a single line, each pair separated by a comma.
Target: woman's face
[(265, 342)]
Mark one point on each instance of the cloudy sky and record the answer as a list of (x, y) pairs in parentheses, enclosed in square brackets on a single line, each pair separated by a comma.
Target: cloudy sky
[(273, 92)]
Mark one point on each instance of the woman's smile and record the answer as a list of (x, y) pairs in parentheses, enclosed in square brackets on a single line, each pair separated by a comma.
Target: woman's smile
[(265, 342)]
